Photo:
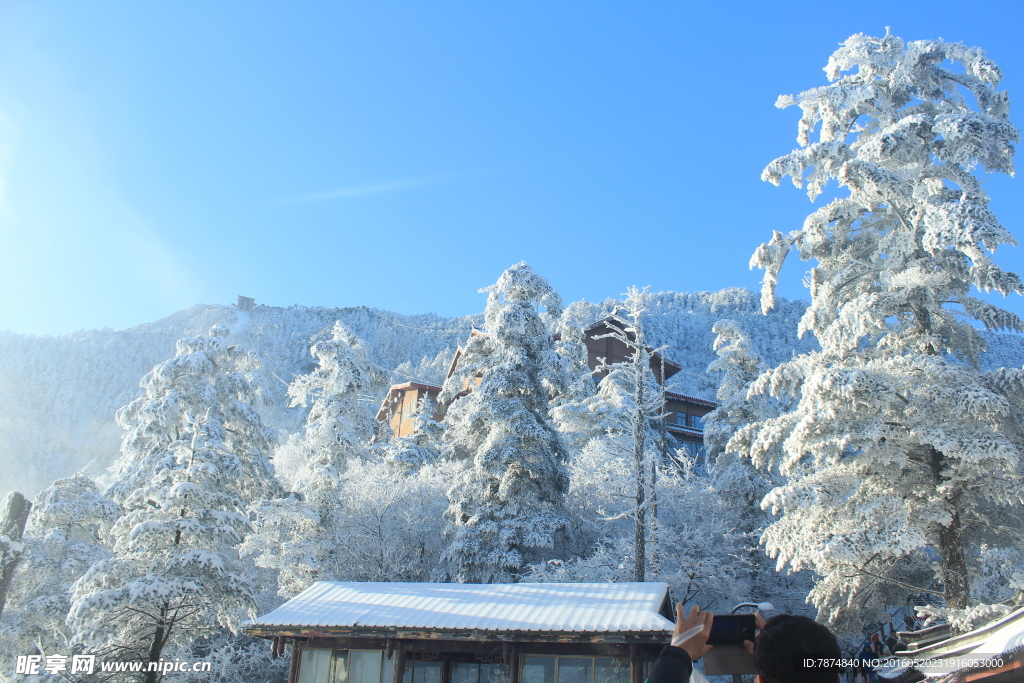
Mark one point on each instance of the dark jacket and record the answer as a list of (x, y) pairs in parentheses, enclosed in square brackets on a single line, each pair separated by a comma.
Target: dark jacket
[(673, 665)]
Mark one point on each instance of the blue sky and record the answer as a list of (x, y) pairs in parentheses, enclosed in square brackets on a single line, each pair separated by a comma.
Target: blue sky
[(401, 155)]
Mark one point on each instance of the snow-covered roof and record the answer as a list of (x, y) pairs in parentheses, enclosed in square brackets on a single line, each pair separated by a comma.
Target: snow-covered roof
[(1004, 637), (691, 399), (540, 607)]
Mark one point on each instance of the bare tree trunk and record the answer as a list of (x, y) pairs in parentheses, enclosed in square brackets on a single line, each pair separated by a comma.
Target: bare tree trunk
[(655, 561), (12, 528), (652, 536), (639, 436), (954, 564), (951, 544), (154, 654)]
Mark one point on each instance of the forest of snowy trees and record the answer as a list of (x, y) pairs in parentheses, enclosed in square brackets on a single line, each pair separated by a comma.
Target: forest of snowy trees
[(866, 447)]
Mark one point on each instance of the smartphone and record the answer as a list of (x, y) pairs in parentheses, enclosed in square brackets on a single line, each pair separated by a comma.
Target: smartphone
[(732, 629)]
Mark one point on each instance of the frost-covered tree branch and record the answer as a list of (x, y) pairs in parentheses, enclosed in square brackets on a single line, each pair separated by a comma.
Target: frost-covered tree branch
[(893, 439)]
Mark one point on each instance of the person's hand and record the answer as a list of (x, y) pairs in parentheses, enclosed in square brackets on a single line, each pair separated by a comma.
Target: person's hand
[(759, 624), (697, 645)]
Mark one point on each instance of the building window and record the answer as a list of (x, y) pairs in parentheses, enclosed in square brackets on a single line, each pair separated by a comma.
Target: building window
[(697, 422), (315, 666), (341, 666), (474, 672), (364, 666), (422, 672), (549, 669), (695, 450)]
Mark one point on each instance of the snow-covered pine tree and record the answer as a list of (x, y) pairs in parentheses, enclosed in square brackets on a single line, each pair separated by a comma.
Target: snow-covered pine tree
[(339, 426), (570, 410), (194, 456), (64, 536), (902, 457), (506, 504), (207, 387), (737, 366), (303, 538)]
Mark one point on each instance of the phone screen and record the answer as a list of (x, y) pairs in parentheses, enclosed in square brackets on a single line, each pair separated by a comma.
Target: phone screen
[(732, 628)]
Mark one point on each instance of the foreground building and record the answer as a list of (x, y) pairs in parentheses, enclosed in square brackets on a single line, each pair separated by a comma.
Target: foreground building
[(470, 633), (993, 653)]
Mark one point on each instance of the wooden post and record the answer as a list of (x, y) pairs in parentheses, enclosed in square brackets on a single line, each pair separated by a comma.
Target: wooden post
[(636, 664), (293, 670), (12, 526), (513, 664), (399, 662)]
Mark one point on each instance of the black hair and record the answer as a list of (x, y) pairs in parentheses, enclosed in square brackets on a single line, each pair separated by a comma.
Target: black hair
[(786, 636)]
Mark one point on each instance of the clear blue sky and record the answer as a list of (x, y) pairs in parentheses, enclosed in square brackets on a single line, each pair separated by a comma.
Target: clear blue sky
[(401, 155)]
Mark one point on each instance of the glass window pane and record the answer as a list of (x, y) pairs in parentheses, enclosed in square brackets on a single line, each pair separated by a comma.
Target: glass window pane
[(364, 666), (465, 672), (422, 672), (611, 670), (340, 666), (491, 673), (538, 670), (315, 666), (575, 670)]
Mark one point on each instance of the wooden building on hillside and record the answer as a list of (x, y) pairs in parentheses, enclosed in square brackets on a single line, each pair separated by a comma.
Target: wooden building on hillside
[(685, 413), (401, 402), (470, 633), (685, 420), (602, 347)]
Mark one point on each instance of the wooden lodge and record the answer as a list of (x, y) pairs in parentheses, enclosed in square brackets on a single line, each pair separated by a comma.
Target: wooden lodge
[(684, 414), (401, 402), (470, 633)]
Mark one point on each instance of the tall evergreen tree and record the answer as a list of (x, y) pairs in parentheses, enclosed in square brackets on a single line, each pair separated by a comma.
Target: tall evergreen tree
[(506, 505), (65, 535), (207, 387), (570, 410), (339, 426), (194, 455), (902, 457), (303, 537)]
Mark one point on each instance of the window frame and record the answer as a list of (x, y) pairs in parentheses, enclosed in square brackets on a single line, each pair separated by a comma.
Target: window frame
[(593, 665), (332, 671)]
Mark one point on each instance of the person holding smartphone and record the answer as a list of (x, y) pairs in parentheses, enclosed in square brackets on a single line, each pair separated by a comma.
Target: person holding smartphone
[(675, 663), (780, 644)]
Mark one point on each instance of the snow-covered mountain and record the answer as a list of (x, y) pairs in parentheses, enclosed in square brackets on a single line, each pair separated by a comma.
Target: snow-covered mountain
[(58, 395)]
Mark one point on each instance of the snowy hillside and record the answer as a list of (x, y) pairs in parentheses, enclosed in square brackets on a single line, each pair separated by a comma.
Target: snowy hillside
[(58, 395)]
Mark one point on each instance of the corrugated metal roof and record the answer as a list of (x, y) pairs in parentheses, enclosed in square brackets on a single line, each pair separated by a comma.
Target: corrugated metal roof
[(999, 638), (577, 607)]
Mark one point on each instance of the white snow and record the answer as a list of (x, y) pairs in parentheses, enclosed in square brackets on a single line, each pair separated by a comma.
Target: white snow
[(579, 607)]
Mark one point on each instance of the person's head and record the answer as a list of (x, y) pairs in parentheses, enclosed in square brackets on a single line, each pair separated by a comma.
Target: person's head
[(783, 638)]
